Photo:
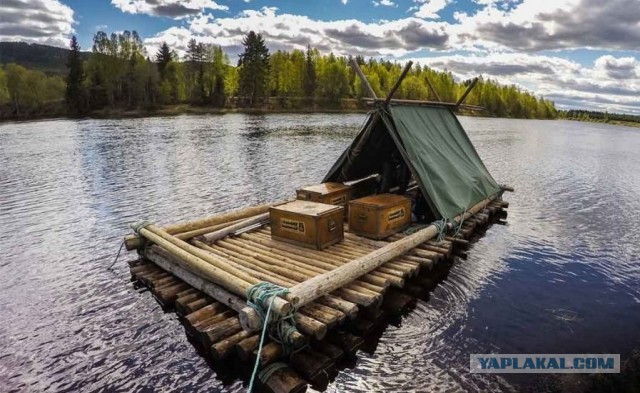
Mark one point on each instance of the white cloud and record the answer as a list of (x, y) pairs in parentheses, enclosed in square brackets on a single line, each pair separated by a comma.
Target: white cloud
[(287, 31), (39, 21), (344, 2), (565, 81), (176, 9), (533, 25), (386, 3), (429, 9)]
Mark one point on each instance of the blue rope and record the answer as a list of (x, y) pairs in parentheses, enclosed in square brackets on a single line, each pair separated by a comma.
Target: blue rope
[(260, 297), (268, 371)]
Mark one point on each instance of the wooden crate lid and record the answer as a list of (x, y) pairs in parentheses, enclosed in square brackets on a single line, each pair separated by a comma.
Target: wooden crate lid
[(307, 208), (380, 200), (325, 188)]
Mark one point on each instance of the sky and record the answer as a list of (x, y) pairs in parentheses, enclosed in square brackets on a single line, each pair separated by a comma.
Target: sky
[(578, 53)]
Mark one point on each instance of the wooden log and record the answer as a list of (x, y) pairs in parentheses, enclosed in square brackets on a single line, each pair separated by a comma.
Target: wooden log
[(466, 92), (426, 103), (223, 348), (507, 188), (219, 234), (363, 79), (285, 380), (296, 252), (203, 231), (133, 242), (332, 301), (323, 314), (333, 352), (211, 268), (205, 312), (396, 85), (320, 285), (433, 89), (245, 348), (346, 341), (200, 326), (311, 266), (196, 305), (222, 330), (271, 352), (309, 363), (168, 295)]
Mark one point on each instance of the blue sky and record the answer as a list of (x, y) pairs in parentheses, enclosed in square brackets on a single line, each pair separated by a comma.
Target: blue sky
[(579, 53)]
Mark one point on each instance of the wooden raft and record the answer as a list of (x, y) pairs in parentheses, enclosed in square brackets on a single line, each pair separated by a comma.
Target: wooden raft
[(333, 326)]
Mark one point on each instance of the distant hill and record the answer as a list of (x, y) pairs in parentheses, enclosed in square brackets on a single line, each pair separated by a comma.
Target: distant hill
[(48, 59)]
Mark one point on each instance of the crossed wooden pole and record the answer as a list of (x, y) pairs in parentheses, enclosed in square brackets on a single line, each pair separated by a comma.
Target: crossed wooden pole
[(373, 99)]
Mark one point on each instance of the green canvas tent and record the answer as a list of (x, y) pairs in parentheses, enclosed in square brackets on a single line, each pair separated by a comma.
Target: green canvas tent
[(434, 147)]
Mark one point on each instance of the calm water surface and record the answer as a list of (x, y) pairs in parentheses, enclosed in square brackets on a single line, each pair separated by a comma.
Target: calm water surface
[(562, 277)]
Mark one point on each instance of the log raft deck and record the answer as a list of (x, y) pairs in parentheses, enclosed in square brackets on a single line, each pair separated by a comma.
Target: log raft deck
[(203, 269)]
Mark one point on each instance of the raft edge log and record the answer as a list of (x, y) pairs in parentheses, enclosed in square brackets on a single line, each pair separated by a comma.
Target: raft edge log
[(320, 285), (133, 242)]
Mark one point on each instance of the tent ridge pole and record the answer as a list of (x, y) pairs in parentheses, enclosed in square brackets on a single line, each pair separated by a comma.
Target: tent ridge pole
[(363, 78), (395, 87), (466, 92)]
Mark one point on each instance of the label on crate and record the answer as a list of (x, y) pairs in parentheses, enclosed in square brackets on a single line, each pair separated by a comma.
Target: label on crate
[(396, 214), (292, 225), (339, 200)]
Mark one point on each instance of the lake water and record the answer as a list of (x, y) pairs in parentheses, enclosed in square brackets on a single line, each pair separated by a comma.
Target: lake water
[(562, 277)]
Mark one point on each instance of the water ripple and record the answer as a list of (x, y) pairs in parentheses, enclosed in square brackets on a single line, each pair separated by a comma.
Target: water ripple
[(561, 276)]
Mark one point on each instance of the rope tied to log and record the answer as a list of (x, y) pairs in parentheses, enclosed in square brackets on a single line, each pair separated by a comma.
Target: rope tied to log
[(269, 370), (441, 226), (260, 297), (140, 225)]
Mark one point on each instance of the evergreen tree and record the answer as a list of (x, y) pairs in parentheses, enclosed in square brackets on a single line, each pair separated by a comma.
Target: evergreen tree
[(163, 57), (254, 69), (196, 57), (74, 96), (309, 79)]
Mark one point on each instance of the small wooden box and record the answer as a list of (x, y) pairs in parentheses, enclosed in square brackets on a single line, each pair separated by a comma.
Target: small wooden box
[(379, 216), (307, 224), (329, 193)]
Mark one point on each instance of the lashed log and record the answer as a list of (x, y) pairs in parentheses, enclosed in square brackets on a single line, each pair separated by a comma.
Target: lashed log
[(133, 242), (217, 235)]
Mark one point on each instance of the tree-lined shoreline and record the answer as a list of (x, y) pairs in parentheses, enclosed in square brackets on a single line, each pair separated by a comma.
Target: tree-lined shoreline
[(119, 79)]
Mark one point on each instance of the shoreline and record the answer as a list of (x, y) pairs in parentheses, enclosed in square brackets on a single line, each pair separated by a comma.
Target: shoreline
[(186, 109), (173, 110)]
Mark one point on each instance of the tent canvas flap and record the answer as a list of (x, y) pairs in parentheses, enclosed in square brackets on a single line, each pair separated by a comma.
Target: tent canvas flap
[(435, 147)]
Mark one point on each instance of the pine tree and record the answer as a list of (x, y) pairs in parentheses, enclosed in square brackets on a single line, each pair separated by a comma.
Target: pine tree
[(74, 96), (309, 78), (163, 57), (254, 68), (196, 57)]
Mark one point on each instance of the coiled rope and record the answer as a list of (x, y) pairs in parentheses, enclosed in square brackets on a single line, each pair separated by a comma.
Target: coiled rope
[(260, 297)]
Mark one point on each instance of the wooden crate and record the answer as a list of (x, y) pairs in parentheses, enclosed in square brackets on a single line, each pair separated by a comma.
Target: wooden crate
[(307, 224), (329, 193), (379, 216)]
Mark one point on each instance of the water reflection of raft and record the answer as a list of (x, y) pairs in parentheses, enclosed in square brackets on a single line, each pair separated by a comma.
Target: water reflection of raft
[(208, 269)]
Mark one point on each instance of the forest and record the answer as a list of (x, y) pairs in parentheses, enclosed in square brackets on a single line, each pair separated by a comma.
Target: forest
[(599, 117), (119, 75)]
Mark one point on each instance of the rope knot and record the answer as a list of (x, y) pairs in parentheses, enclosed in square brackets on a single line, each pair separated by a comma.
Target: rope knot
[(139, 225), (260, 297)]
